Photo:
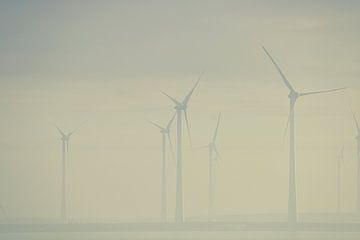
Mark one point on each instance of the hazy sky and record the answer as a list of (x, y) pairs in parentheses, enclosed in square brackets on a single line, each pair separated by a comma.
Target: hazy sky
[(106, 62)]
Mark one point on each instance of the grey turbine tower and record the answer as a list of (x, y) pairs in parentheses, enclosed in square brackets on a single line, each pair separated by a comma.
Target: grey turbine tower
[(181, 107), (165, 134), (213, 156), (358, 163), (3, 212), (65, 138), (293, 97), (340, 162)]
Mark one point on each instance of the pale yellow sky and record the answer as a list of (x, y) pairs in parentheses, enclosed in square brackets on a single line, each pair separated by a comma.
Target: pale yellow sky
[(107, 62)]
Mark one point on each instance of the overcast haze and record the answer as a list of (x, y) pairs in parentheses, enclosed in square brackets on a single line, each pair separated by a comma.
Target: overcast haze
[(106, 62)]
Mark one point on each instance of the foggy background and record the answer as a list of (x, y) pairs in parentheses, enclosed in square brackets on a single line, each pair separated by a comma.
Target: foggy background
[(106, 62)]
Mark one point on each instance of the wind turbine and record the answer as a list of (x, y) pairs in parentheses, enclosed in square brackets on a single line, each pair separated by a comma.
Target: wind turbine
[(358, 162), (181, 107), (3, 212), (340, 162), (65, 139), (293, 97), (165, 132), (212, 158)]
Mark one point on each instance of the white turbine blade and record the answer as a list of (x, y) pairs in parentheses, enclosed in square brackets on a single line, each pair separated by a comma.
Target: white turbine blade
[(171, 145), (355, 120), (342, 155), (216, 151), (188, 127), (287, 83), (318, 92), (169, 124), (67, 149), (188, 96), (3, 211), (171, 98), (156, 125), (76, 129), (288, 121), (60, 131), (216, 129)]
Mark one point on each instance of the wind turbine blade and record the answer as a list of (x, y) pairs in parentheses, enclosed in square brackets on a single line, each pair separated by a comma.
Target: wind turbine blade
[(216, 129), (3, 211), (287, 83), (342, 155), (156, 125), (171, 121), (60, 131), (67, 149), (171, 98), (171, 145), (216, 151), (288, 122), (75, 130), (355, 120), (188, 127), (326, 91), (188, 96)]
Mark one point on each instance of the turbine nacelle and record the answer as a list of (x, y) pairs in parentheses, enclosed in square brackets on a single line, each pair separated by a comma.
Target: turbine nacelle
[(164, 131), (65, 138), (180, 107), (293, 95)]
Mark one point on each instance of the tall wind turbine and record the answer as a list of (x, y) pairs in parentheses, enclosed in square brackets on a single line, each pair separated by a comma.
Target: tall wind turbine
[(340, 162), (181, 107), (165, 133), (358, 162), (212, 159), (3, 212), (293, 97), (65, 138)]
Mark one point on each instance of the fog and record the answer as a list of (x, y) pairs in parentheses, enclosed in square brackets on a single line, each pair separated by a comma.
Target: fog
[(106, 62)]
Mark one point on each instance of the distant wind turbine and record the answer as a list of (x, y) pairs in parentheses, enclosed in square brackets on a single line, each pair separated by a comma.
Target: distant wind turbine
[(358, 162), (181, 107), (165, 132), (212, 158), (3, 212), (65, 139), (340, 162), (293, 97)]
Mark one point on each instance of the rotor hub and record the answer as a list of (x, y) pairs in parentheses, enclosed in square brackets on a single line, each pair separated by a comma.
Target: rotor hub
[(293, 95), (180, 107)]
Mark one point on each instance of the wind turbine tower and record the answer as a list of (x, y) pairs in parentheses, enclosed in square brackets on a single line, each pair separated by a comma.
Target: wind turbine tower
[(293, 97), (181, 107), (213, 157), (165, 134), (340, 162), (358, 163), (65, 139)]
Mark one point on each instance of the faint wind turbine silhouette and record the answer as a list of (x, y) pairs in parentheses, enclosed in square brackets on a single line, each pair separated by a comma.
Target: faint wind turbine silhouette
[(340, 162), (358, 162), (165, 133), (211, 147), (293, 97), (65, 139), (181, 107)]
